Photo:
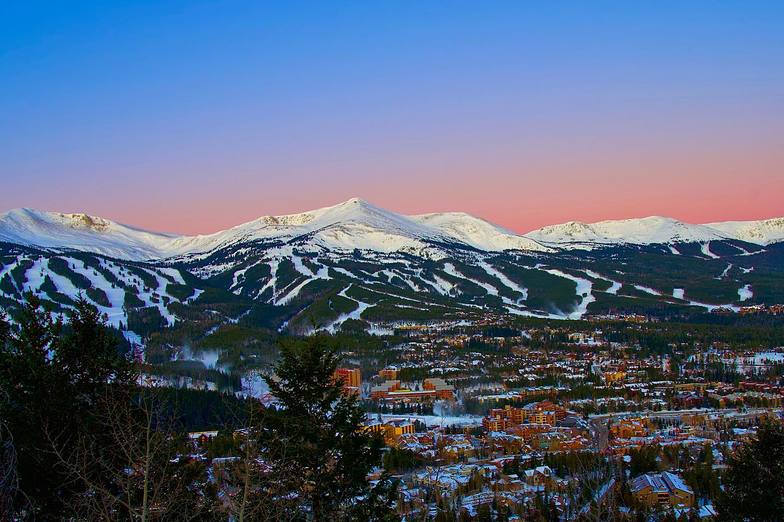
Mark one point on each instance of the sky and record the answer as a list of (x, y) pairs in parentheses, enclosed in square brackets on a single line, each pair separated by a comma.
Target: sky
[(195, 116)]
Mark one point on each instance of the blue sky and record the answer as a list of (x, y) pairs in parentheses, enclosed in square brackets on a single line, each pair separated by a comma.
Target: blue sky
[(525, 113)]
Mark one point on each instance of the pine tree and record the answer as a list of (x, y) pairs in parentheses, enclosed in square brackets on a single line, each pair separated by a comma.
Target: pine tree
[(754, 481), (314, 442), (26, 405), (51, 377)]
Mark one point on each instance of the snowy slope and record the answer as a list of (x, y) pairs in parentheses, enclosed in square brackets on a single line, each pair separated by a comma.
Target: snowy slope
[(81, 232), (642, 231), (354, 224), (357, 224), (762, 232), (478, 233)]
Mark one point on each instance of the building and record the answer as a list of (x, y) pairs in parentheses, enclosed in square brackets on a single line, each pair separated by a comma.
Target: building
[(542, 417), (442, 389), (374, 426), (391, 429), (664, 490), (628, 428), (431, 389), (396, 428), (388, 374), (499, 419), (539, 476), (351, 377), (544, 412), (612, 377), (384, 389)]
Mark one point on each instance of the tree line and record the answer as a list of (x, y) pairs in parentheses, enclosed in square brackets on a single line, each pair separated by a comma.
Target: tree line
[(80, 439)]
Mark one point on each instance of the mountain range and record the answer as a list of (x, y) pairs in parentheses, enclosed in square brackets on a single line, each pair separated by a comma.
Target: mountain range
[(355, 265), (359, 224)]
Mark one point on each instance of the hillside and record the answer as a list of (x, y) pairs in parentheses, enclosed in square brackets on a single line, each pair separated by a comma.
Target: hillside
[(355, 265)]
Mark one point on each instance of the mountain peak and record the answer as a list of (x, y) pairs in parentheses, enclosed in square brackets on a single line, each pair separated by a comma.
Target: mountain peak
[(639, 231), (358, 224), (351, 203)]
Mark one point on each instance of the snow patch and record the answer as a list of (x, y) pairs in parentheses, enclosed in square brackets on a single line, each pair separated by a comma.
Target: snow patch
[(614, 287), (583, 290), (505, 280), (354, 314), (705, 249), (745, 293), (647, 290), (450, 269)]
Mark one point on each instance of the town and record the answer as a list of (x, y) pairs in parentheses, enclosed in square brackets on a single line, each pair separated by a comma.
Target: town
[(560, 420)]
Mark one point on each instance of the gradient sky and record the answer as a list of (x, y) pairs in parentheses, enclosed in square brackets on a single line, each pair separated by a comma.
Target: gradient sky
[(195, 116)]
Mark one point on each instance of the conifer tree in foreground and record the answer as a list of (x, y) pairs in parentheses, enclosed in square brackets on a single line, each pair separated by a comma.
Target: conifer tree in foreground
[(754, 482), (318, 453), (80, 440), (51, 377)]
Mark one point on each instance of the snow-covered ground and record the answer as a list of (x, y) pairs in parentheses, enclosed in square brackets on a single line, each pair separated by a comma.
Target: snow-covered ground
[(583, 291), (614, 287), (209, 358), (355, 314), (436, 420), (505, 280), (450, 269), (705, 249), (643, 231), (357, 224), (745, 293), (647, 290), (762, 232)]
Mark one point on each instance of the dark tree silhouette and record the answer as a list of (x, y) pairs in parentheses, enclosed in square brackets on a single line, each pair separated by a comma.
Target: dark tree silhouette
[(314, 444), (754, 481)]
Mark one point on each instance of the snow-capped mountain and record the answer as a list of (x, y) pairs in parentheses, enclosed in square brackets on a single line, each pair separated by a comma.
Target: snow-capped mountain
[(643, 231), (763, 232), (349, 225), (357, 224), (478, 233), (355, 265), (354, 224), (30, 227)]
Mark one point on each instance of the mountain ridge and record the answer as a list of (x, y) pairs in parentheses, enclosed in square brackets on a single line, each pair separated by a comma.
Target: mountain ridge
[(357, 224), (357, 266)]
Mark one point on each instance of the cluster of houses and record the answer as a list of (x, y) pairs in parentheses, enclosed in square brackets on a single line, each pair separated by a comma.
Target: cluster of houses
[(531, 402)]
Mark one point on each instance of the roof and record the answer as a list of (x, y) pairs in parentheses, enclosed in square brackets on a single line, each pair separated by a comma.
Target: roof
[(675, 482), (664, 482), (651, 480)]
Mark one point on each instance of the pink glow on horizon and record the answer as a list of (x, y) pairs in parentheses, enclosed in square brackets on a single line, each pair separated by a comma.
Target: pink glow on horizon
[(706, 180), (719, 190), (521, 194)]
